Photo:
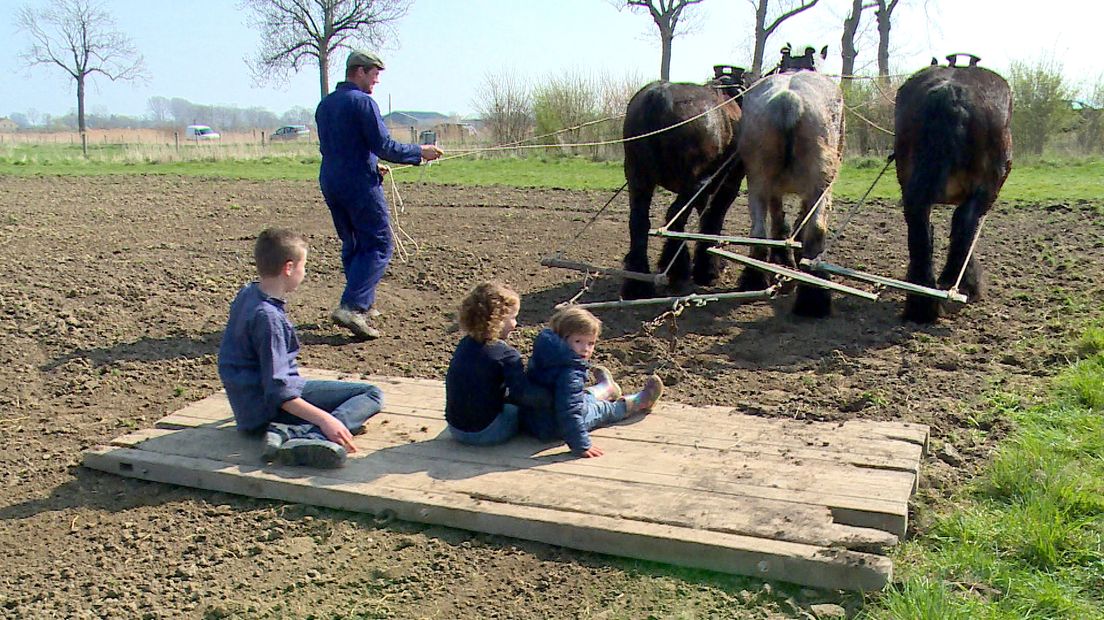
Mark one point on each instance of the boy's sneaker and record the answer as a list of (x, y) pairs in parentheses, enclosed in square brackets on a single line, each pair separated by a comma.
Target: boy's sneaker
[(356, 322), (318, 453), (604, 385), (644, 400), (272, 441)]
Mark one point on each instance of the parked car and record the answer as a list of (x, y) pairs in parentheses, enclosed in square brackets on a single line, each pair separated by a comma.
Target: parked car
[(291, 132), (200, 132)]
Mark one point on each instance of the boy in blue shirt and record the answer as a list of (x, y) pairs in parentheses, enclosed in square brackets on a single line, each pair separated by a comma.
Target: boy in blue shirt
[(306, 422)]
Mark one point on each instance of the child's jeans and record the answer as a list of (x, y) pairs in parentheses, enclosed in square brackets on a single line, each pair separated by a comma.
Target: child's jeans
[(599, 413), (351, 403), (500, 430)]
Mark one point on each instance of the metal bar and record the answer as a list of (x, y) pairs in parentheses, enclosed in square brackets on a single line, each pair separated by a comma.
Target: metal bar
[(794, 274), (724, 239), (688, 299), (657, 279), (883, 281)]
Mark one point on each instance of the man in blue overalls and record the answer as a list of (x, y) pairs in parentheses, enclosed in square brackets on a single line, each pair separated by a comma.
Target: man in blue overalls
[(353, 138)]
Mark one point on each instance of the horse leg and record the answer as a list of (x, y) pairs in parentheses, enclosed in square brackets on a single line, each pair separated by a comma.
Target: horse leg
[(814, 301), (920, 308), (674, 259), (780, 229), (752, 279), (640, 203), (964, 225), (707, 267)]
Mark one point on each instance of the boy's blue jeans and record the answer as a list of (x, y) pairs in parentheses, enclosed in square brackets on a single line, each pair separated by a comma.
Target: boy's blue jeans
[(500, 430), (351, 403)]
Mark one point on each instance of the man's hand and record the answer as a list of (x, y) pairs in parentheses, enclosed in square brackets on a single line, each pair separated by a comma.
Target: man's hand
[(384, 169), (431, 152), (591, 452)]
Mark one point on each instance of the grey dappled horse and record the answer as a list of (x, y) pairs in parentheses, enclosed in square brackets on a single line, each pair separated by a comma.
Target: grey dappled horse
[(791, 142)]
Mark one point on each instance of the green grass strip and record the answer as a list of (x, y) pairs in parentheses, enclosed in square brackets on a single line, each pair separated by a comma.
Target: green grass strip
[(1032, 181), (1026, 539)]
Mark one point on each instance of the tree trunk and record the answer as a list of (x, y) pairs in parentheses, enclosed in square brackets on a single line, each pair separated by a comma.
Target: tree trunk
[(885, 11), (324, 73), (847, 43), (80, 104), (760, 38), (665, 37)]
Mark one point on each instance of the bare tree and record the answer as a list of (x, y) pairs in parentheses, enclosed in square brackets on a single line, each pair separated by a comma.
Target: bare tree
[(666, 15), (848, 52), (505, 102), (295, 32), (884, 15), (763, 31), (79, 37)]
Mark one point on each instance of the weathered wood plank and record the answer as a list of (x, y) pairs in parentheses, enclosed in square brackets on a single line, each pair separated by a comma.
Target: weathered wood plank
[(769, 559), (653, 498), (853, 500)]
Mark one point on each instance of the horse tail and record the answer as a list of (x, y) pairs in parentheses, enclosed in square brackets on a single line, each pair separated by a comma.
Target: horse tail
[(784, 111), (940, 145)]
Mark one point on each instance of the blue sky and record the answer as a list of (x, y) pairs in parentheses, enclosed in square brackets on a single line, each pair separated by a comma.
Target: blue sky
[(195, 49)]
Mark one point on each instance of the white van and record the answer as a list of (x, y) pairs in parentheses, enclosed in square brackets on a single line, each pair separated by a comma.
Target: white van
[(200, 132)]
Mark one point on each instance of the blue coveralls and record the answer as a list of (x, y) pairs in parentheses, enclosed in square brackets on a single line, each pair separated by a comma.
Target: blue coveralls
[(352, 138)]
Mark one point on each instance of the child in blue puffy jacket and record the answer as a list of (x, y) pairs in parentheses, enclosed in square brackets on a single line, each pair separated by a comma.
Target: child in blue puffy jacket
[(560, 362)]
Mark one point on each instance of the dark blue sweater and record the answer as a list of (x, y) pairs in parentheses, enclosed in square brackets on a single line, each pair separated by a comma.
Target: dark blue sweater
[(481, 379)]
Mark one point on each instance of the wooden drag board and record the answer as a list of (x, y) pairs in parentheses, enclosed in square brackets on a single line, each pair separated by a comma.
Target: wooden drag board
[(707, 487)]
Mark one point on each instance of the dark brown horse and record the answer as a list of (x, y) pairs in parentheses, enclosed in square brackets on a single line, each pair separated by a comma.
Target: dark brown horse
[(953, 145), (686, 159)]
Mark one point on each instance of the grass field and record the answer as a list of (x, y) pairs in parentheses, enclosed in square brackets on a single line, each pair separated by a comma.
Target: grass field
[(1032, 181)]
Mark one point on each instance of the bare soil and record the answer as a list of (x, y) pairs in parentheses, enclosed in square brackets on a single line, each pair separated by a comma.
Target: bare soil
[(112, 302)]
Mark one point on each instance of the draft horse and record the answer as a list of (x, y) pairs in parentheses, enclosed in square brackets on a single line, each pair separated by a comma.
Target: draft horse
[(692, 159), (953, 145), (791, 142)]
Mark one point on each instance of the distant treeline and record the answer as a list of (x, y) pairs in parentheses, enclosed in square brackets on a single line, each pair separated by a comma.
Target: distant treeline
[(164, 113)]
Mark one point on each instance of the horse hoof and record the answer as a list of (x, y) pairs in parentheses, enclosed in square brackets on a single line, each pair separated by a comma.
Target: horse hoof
[(706, 276), (751, 280), (635, 289), (813, 302), (921, 309)]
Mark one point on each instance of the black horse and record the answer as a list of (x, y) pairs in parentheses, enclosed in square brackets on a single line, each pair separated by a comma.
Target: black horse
[(695, 158), (953, 145)]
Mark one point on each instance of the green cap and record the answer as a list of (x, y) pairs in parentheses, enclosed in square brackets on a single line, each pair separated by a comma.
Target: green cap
[(361, 58)]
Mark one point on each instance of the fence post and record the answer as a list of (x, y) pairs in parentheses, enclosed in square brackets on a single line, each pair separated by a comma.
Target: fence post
[(176, 139), (262, 138), (84, 144)]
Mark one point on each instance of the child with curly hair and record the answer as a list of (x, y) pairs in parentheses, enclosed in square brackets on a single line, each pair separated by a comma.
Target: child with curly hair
[(486, 380), (559, 363)]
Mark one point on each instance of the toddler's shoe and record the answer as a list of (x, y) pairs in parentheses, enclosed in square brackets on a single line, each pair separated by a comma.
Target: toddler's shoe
[(645, 399), (604, 388), (318, 453)]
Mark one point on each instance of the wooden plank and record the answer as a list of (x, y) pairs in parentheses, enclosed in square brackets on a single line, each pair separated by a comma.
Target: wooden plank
[(853, 500), (858, 452), (434, 466), (733, 553)]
